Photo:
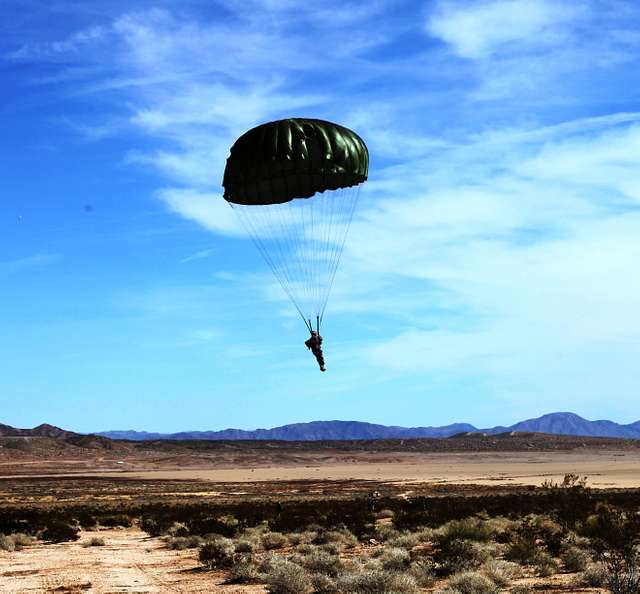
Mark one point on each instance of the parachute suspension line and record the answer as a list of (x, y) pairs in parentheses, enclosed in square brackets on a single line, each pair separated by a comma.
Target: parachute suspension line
[(355, 196), (255, 237), (302, 241)]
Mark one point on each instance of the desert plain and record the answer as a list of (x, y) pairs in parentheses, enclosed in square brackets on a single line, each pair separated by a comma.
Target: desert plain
[(287, 486)]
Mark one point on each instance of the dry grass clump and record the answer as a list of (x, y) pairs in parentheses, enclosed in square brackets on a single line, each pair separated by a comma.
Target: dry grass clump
[(595, 574), (95, 541), (575, 559), (217, 554), (472, 582), (286, 577), (500, 572), (273, 540), (376, 581)]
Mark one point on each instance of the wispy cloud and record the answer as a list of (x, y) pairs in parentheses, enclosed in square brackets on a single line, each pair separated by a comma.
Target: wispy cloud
[(199, 255), (10, 267)]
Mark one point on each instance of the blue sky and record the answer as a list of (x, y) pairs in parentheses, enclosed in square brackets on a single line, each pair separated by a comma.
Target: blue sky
[(491, 272)]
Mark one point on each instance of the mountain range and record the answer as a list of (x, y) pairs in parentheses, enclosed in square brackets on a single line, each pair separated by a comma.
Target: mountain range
[(560, 423)]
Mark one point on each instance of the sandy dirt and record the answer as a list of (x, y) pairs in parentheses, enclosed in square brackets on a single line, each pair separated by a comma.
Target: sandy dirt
[(130, 561), (605, 469)]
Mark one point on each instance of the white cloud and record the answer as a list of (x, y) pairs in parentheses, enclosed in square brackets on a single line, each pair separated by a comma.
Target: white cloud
[(208, 209), (476, 30)]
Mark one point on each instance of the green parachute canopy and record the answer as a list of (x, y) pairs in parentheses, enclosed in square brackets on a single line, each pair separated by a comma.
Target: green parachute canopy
[(294, 184), (294, 158)]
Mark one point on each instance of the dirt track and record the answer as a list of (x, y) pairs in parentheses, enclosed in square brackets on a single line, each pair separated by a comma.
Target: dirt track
[(130, 561)]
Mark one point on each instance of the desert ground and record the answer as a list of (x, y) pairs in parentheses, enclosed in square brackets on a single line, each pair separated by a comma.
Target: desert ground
[(289, 488)]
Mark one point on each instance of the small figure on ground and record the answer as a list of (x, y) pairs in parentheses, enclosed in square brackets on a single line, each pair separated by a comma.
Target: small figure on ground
[(315, 345)]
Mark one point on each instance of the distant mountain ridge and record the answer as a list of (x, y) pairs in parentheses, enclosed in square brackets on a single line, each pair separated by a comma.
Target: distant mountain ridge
[(561, 423)]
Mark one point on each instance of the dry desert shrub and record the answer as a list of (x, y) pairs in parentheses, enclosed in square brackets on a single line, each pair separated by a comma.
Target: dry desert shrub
[(472, 582), (243, 570), (273, 540), (20, 539), (7, 544), (575, 559), (60, 531), (394, 559), (244, 545), (180, 543), (466, 529), (286, 577), (546, 565), (406, 540), (304, 537), (595, 574), (422, 572), (343, 539), (217, 554), (319, 561), (94, 541), (386, 532), (178, 529), (457, 555), (501, 572), (375, 582), (384, 514), (323, 584)]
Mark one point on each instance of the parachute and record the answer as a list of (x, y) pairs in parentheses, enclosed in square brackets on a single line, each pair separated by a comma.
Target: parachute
[(295, 184)]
